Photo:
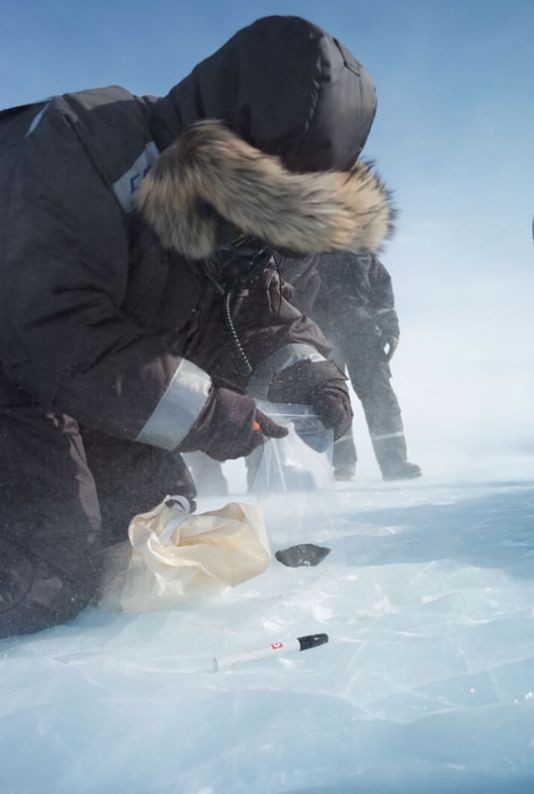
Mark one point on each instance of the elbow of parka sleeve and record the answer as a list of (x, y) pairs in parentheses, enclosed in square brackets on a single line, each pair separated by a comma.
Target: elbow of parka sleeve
[(67, 335), (75, 353), (139, 392)]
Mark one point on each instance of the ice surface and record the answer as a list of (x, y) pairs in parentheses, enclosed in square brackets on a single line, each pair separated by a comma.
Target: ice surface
[(426, 685)]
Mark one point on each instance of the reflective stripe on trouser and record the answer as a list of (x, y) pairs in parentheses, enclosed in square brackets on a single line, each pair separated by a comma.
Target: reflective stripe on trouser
[(390, 450), (370, 379), (384, 420), (345, 455)]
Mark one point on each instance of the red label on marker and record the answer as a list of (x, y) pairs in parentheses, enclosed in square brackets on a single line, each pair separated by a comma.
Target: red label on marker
[(277, 645)]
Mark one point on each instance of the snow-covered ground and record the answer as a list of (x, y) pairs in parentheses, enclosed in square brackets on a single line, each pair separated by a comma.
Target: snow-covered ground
[(427, 595), (426, 684)]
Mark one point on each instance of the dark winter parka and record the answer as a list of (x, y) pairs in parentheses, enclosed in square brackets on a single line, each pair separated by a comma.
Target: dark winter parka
[(112, 208), (347, 294), (360, 288)]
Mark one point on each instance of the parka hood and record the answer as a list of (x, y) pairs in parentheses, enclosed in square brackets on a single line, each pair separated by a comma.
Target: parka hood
[(264, 135), (287, 88)]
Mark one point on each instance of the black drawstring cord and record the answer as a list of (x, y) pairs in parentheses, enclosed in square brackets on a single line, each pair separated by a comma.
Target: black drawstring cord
[(240, 356), (255, 259)]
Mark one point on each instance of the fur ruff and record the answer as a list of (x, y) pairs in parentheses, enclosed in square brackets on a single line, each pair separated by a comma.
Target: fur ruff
[(209, 173)]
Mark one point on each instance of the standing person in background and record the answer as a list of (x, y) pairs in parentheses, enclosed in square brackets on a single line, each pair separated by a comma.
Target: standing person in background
[(350, 296)]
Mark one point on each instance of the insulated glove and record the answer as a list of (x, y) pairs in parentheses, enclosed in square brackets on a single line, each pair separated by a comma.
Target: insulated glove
[(230, 426), (388, 345), (319, 384)]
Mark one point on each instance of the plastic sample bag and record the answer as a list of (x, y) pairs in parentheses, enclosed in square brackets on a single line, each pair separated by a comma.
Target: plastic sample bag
[(300, 462), (293, 479), (173, 556)]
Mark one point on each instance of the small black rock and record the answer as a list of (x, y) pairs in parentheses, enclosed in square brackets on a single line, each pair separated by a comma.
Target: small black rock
[(304, 554)]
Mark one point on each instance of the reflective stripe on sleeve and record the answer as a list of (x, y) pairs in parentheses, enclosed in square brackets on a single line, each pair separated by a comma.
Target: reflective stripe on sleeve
[(178, 409), (281, 359)]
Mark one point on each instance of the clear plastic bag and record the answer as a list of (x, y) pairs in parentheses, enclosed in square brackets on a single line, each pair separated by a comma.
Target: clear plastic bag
[(292, 480), (300, 462)]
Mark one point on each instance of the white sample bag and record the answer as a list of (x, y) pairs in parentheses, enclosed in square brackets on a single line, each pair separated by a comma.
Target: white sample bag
[(173, 555)]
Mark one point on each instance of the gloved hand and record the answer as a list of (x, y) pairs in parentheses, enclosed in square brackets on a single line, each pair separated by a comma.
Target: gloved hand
[(230, 426), (319, 384), (388, 345)]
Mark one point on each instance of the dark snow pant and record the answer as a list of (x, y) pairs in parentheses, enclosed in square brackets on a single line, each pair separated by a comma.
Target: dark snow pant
[(207, 474), (370, 377), (65, 494)]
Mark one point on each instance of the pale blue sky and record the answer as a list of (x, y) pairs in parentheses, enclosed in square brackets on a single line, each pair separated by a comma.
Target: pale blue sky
[(454, 78), (454, 138)]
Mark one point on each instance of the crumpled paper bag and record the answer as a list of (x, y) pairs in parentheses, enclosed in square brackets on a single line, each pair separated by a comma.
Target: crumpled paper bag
[(173, 556)]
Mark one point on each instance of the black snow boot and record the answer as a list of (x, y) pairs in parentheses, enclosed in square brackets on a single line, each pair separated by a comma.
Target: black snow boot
[(344, 473), (402, 471)]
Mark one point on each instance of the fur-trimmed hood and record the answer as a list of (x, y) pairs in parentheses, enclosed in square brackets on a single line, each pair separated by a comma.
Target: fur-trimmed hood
[(210, 175)]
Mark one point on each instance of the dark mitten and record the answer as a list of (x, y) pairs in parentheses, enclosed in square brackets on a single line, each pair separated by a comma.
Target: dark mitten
[(230, 427), (319, 384)]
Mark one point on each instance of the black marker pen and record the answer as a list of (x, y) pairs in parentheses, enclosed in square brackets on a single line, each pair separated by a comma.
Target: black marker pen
[(283, 648)]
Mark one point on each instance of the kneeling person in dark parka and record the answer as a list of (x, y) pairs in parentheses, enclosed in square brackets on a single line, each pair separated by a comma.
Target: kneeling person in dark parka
[(139, 297)]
